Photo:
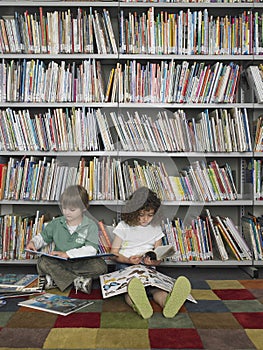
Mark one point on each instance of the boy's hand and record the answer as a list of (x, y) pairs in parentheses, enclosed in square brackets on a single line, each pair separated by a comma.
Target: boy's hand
[(31, 246), (61, 254)]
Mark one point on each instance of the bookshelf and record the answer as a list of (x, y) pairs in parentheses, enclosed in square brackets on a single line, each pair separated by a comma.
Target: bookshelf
[(74, 104)]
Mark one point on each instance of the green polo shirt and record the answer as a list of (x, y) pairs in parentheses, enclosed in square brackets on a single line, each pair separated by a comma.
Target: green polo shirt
[(56, 231)]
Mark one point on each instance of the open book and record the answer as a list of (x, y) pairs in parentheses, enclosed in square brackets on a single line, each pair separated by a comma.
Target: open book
[(116, 282), (58, 304), (161, 252), (99, 255)]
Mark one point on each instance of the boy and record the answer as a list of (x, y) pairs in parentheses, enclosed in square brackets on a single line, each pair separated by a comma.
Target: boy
[(74, 235)]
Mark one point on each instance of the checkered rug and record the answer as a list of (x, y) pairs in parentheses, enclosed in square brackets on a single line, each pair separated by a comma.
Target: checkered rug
[(228, 315)]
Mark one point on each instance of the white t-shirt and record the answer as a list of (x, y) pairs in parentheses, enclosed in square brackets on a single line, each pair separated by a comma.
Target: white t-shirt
[(137, 240)]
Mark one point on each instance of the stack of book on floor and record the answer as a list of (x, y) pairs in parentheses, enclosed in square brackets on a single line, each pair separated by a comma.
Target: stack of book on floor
[(15, 285)]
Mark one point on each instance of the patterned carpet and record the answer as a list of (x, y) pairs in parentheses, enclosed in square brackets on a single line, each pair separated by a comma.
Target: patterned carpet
[(228, 315)]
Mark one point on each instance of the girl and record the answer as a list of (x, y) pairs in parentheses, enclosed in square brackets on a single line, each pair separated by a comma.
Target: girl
[(138, 232)]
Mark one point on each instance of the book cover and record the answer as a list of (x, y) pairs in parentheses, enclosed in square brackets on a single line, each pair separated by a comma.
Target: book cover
[(116, 282), (58, 304), (99, 255), (17, 280), (161, 252)]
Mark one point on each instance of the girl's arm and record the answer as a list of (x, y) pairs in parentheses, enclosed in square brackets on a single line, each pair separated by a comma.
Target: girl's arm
[(116, 245)]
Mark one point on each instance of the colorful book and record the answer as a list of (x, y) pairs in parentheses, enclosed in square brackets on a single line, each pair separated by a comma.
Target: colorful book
[(58, 304), (116, 282)]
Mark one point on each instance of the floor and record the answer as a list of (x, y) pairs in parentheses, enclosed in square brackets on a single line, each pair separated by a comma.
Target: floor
[(193, 273)]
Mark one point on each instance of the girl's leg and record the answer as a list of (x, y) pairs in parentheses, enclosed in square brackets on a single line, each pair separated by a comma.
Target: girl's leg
[(159, 296)]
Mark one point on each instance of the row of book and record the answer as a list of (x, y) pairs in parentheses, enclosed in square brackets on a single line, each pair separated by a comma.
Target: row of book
[(207, 237), (34, 81), (189, 32), (80, 129), (254, 76), (174, 82), (258, 143), (132, 82), (107, 178), (219, 130), (58, 32), (258, 179), (252, 229), (75, 129)]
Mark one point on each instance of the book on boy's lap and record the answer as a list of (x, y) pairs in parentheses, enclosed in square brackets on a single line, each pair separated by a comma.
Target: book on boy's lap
[(116, 282), (54, 303), (98, 255)]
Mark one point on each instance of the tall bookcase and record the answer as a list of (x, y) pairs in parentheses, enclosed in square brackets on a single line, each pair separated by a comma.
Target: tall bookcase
[(174, 161)]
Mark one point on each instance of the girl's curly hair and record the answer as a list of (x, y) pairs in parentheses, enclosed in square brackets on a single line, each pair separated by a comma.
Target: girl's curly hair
[(142, 199)]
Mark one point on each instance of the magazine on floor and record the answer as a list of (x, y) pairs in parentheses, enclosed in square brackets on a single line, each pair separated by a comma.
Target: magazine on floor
[(17, 280), (58, 304), (116, 282)]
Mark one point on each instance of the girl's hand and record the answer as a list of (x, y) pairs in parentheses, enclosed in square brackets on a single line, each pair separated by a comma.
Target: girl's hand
[(60, 254), (148, 261), (135, 259)]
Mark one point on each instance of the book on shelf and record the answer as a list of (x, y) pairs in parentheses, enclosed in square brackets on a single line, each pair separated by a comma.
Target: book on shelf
[(116, 282), (253, 235), (160, 252), (98, 255), (233, 239), (255, 81), (54, 303)]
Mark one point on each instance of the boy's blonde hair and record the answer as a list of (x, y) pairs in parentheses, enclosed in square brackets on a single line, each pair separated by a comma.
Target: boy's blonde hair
[(75, 196)]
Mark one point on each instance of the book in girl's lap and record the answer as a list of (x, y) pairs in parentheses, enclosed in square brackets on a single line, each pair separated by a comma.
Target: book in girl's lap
[(138, 232)]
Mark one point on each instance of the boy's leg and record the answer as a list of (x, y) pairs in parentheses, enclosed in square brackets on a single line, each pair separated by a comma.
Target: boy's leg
[(177, 297), (139, 299)]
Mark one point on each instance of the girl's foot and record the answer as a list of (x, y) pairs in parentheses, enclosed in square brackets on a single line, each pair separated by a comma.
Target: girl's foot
[(138, 296), (177, 297)]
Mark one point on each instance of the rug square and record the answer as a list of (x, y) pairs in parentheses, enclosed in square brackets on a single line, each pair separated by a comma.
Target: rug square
[(258, 294), (223, 320), (224, 284), (11, 305), (24, 337), (5, 317), (124, 339), (252, 284), (256, 336), (175, 339), (234, 294), (218, 339), (116, 303), (250, 319), (204, 294), (32, 319), (95, 294), (121, 320), (181, 320), (244, 305), (199, 284), (75, 338), (79, 319), (95, 306), (207, 306)]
